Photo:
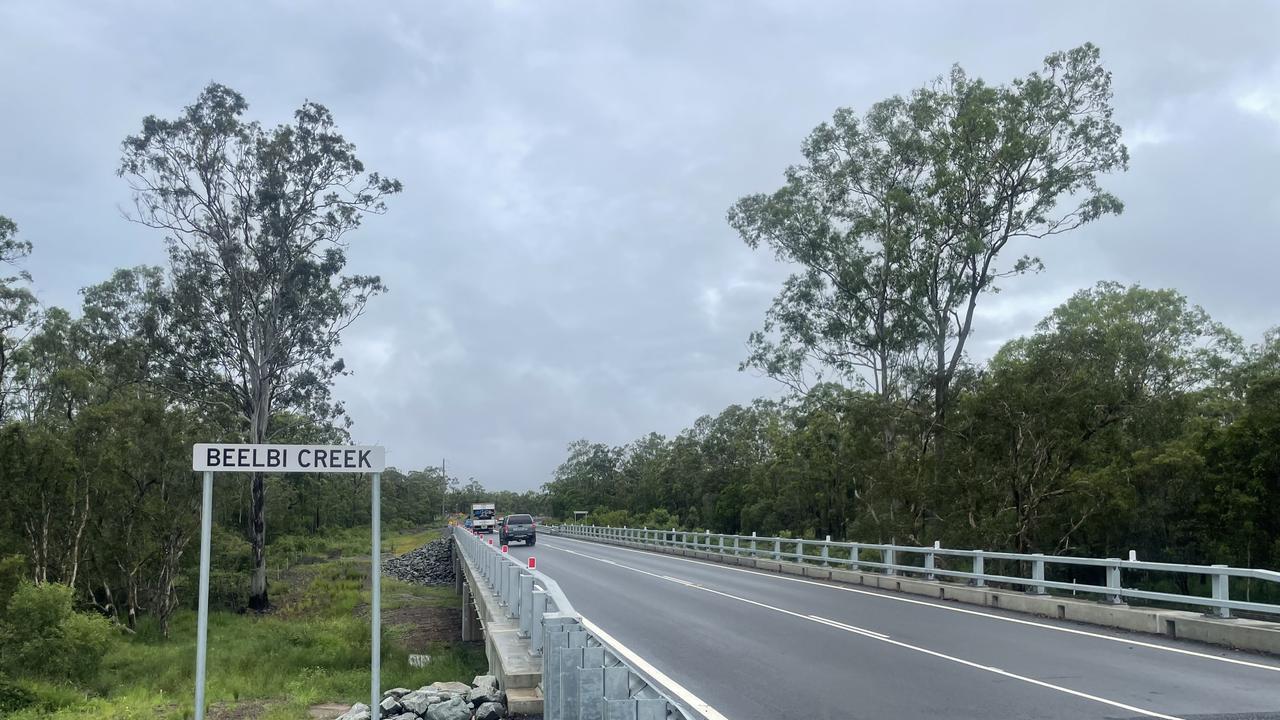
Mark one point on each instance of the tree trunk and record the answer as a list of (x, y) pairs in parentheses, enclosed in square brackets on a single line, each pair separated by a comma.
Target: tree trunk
[(259, 419), (941, 386), (258, 600)]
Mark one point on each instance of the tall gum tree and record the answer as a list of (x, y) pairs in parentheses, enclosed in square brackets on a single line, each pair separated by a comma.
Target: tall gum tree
[(898, 223), (256, 221)]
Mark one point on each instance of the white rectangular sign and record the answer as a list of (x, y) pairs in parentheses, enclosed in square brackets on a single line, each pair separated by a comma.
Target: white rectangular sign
[(230, 457)]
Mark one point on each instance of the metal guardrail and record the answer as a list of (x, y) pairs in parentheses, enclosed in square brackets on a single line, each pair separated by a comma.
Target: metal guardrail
[(887, 558), (585, 674)]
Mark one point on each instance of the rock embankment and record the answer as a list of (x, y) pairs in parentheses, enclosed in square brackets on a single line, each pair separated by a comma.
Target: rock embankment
[(431, 564), (482, 700)]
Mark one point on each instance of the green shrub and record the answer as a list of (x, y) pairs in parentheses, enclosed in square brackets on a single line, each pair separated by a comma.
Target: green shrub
[(228, 590), (44, 637), (14, 696), (658, 519), (610, 518), (12, 570), (231, 551)]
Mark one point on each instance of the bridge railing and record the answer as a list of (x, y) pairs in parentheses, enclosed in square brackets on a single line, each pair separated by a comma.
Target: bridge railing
[(973, 566), (585, 672)]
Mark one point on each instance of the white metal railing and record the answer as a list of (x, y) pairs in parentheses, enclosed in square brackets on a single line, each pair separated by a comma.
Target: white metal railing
[(889, 559), (584, 672)]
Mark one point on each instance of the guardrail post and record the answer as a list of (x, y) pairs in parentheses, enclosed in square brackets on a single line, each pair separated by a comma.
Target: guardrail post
[(526, 605), (929, 561), (513, 591), (591, 685), (800, 551), (1113, 583), (889, 557), (552, 683), (721, 544), (536, 630), (753, 544), (826, 553), (777, 549), (979, 569), (617, 694), (1221, 591), (571, 702), (855, 553), (1037, 574)]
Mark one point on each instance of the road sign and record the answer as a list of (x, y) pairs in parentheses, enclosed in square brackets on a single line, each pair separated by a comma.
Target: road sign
[(209, 458), (224, 457)]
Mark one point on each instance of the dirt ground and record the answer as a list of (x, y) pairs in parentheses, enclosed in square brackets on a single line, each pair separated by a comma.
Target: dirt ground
[(327, 711), (247, 710), (427, 624)]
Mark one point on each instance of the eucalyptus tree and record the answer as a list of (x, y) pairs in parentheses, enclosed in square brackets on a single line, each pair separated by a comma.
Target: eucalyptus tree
[(899, 222), (256, 220)]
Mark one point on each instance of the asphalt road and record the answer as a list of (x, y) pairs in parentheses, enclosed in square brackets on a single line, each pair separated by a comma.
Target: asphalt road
[(762, 646)]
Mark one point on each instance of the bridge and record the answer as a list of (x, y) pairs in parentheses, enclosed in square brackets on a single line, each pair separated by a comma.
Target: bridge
[(628, 623)]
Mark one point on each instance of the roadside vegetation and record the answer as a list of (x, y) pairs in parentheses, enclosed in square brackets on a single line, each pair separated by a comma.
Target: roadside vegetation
[(313, 648)]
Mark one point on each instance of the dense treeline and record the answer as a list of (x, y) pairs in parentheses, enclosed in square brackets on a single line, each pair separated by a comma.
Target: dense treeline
[(96, 488), (1127, 420)]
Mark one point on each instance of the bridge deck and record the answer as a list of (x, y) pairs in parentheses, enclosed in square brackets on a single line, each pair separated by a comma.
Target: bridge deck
[(762, 645)]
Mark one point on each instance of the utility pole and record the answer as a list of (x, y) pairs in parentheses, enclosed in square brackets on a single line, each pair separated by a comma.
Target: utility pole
[(444, 488)]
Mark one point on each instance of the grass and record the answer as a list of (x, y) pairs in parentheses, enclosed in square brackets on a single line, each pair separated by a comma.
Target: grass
[(314, 648), (402, 543)]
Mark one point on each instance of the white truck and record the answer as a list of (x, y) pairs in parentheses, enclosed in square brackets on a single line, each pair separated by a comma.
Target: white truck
[(482, 519)]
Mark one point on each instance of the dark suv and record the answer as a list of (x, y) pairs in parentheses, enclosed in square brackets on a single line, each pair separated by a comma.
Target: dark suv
[(518, 527)]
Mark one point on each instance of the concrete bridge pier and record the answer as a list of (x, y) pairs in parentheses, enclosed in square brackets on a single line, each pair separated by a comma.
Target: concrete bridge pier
[(470, 618)]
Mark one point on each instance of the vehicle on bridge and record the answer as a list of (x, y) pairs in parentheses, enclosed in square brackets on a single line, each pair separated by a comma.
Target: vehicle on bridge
[(518, 527), (482, 517)]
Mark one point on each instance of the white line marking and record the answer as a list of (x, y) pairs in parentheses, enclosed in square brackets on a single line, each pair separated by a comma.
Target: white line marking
[(888, 595), (907, 646), (850, 628), (693, 701)]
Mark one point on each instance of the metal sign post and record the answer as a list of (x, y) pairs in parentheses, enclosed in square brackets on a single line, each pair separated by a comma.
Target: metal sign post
[(221, 457)]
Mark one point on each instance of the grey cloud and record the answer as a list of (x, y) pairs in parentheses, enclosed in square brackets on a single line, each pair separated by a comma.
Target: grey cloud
[(559, 262)]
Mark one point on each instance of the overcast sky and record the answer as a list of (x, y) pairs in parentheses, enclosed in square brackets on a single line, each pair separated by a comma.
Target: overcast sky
[(559, 262)]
